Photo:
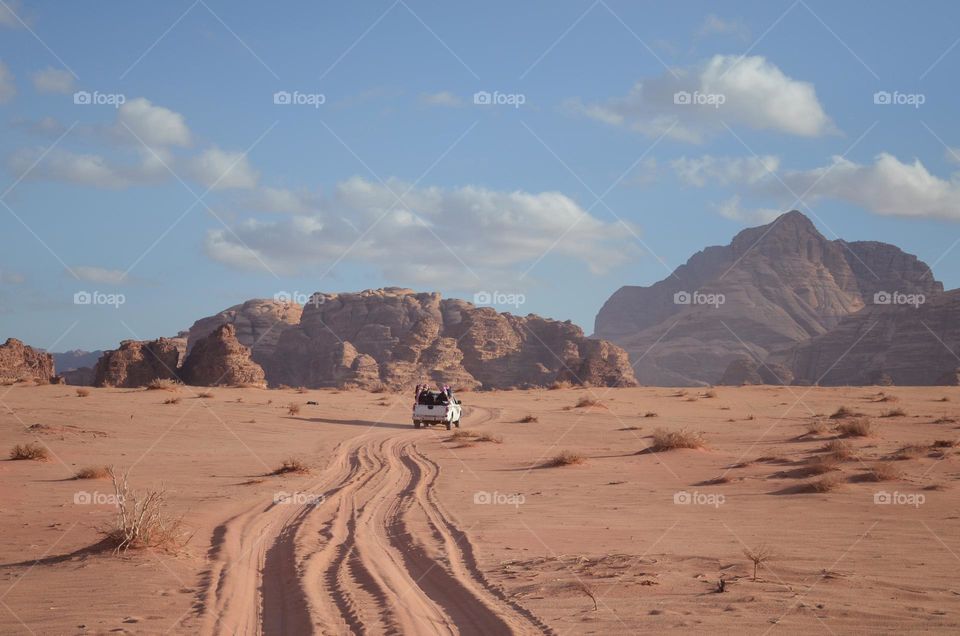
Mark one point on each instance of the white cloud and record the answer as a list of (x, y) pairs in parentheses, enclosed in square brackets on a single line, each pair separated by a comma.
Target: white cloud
[(733, 210), (443, 98), (155, 125), (497, 234), (8, 89), (8, 14), (100, 275), (222, 170), (887, 187), (282, 200), (754, 92), (45, 127), (698, 171), (84, 169), (715, 25), (52, 80)]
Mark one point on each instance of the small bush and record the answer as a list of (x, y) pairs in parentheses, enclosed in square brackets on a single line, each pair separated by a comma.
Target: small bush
[(822, 464), (944, 399), (83, 392), (173, 400), (587, 401), (884, 471), (843, 412), (839, 450), (883, 397), (564, 458), (664, 440), (816, 427), (945, 443), (142, 520), (710, 394), (33, 451), (293, 409), (488, 437), (205, 395), (912, 451), (894, 413), (292, 465), (93, 472), (650, 414), (827, 483), (461, 435), (859, 427), (559, 384), (528, 419), (163, 384)]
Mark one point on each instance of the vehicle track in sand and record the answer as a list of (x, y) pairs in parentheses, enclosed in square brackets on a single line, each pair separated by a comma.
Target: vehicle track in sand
[(367, 549)]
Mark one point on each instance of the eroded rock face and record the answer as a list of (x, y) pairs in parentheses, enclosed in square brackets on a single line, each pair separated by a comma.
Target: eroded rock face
[(137, 363), (22, 362), (259, 324), (884, 344), (399, 337), (219, 359), (781, 284), (84, 376), (748, 371)]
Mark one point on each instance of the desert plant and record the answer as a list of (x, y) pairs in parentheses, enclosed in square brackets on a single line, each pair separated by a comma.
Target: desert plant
[(93, 472), (460, 435), (564, 458), (163, 384), (650, 414), (205, 394), (816, 427), (758, 556), (559, 384), (911, 451), (827, 483), (292, 465), (710, 394), (894, 413), (822, 464), (586, 401), (528, 419), (32, 450), (842, 412), (884, 471), (945, 443), (664, 440), (857, 427), (172, 400), (488, 437), (293, 409), (839, 450), (83, 392), (142, 520)]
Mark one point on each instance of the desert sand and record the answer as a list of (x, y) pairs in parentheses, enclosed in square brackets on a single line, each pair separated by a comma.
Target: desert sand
[(397, 530)]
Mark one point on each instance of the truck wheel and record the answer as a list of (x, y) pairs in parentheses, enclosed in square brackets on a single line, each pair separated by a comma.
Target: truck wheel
[(449, 425), (416, 423), (457, 423)]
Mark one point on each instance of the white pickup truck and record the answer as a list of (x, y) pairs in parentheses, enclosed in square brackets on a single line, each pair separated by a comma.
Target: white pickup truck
[(433, 408)]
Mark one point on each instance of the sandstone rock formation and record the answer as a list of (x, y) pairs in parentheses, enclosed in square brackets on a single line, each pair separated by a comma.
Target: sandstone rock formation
[(259, 324), (398, 337), (748, 371), (780, 284), (883, 344), (22, 362), (84, 376), (220, 360), (137, 363)]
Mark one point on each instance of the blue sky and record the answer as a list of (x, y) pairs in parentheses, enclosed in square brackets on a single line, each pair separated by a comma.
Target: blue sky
[(198, 191)]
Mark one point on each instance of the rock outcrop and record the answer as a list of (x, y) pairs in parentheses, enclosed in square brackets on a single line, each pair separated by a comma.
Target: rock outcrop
[(771, 288), (22, 362), (137, 363), (259, 324), (398, 337), (219, 359), (748, 371), (898, 344), (84, 376)]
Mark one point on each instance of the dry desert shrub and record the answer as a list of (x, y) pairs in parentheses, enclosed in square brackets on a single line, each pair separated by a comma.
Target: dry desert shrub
[(292, 465), (858, 427), (173, 400), (816, 427), (842, 412), (827, 483), (487, 437), (528, 419), (564, 458), (944, 399), (205, 394), (32, 450), (758, 556), (884, 471), (912, 451), (587, 401), (664, 440), (650, 414), (293, 409), (839, 450), (142, 520), (822, 464), (461, 435), (163, 384), (82, 392), (883, 397), (945, 443), (93, 472), (560, 384), (894, 413), (710, 394)]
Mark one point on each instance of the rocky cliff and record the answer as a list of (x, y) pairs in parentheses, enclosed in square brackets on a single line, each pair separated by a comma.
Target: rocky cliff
[(398, 337), (218, 359), (21, 362), (772, 287), (137, 363), (258, 325)]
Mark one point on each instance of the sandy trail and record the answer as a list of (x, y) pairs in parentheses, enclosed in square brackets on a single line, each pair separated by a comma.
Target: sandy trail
[(365, 549)]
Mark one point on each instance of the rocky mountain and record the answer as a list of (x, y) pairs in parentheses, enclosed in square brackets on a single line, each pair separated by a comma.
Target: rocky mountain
[(21, 362), (137, 363), (901, 344), (76, 359), (258, 324), (772, 287), (399, 337), (218, 359)]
